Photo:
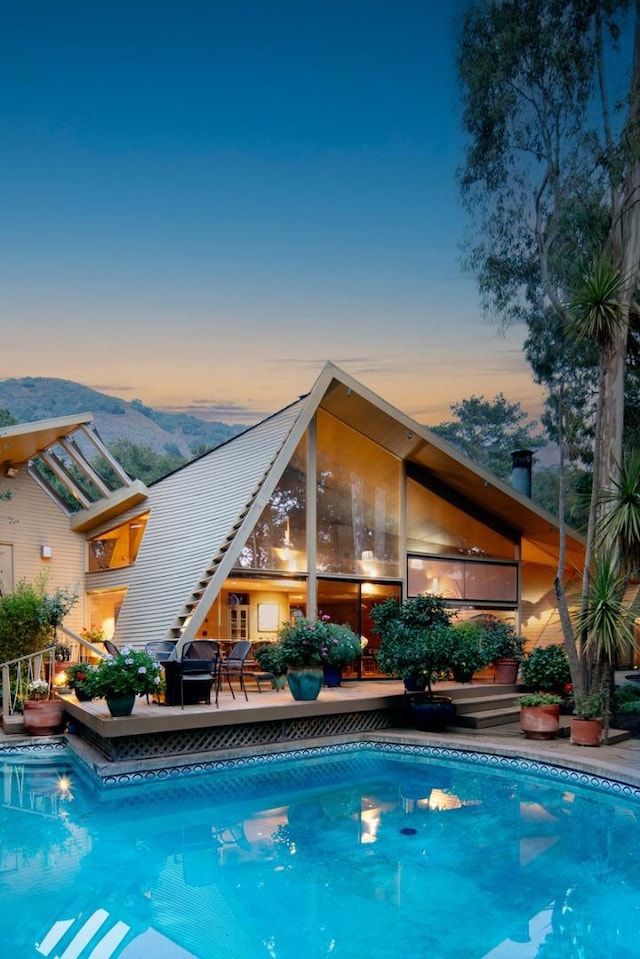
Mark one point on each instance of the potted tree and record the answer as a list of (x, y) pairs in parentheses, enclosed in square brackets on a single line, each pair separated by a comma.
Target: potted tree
[(416, 644), (468, 654), (505, 649), (539, 715), (587, 720)]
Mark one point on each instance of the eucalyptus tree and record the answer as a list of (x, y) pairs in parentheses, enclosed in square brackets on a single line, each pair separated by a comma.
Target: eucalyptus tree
[(552, 177)]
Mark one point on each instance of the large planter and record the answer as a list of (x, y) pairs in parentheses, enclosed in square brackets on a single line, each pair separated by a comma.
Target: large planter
[(332, 675), (540, 722), (415, 684), (305, 684), (121, 705), (506, 671), (431, 713), (586, 732), (43, 717)]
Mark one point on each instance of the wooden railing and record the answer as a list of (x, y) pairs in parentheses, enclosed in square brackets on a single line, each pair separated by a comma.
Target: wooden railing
[(18, 673)]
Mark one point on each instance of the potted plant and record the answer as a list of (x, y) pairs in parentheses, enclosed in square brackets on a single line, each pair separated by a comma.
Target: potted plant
[(505, 649), (122, 677), (269, 658), (546, 669), (42, 715), (468, 654), (416, 644), (587, 719), (79, 679), (341, 646), (539, 715), (306, 645), (62, 653)]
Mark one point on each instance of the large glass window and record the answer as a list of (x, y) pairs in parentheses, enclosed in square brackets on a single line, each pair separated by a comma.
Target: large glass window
[(358, 503), (463, 580), (279, 539), (436, 526)]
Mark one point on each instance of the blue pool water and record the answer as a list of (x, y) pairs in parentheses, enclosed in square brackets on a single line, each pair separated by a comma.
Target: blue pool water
[(359, 853)]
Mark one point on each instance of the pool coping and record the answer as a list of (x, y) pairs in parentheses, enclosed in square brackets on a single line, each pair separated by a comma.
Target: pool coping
[(611, 768)]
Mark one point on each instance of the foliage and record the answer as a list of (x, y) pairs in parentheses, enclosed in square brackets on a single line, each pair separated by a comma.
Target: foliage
[(79, 674), (62, 653), (501, 641), (38, 689), (416, 638), (269, 657), (546, 667), (588, 705), (28, 617), (627, 699), (131, 671), (94, 635), (141, 462), (539, 699), (469, 653), (307, 643), (487, 431)]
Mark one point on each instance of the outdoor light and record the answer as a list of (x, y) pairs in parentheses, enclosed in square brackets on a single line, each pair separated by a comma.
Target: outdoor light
[(11, 471)]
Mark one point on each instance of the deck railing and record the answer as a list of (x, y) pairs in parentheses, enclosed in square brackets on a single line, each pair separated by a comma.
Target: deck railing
[(18, 673)]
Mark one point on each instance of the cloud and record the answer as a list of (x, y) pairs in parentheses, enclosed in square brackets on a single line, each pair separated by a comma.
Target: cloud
[(224, 410)]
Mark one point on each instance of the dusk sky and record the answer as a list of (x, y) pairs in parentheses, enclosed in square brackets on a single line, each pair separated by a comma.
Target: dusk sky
[(202, 202)]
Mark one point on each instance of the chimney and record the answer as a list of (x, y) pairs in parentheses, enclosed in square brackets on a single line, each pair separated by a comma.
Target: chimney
[(521, 461)]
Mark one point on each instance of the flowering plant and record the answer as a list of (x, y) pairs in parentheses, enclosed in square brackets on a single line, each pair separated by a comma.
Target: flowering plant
[(130, 672), (79, 674), (307, 643), (38, 689)]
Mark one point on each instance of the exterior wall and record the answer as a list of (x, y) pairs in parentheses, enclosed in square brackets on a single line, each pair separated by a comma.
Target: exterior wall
[(30, 520)]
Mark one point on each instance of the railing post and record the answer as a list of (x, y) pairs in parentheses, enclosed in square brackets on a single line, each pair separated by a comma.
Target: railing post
[(6, 692)]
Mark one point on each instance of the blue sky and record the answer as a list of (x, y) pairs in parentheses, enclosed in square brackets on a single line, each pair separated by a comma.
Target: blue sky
[(202, 202)]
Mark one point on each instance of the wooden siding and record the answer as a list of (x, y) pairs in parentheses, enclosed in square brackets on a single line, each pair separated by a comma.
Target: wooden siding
[(192, 512), (30, 520)]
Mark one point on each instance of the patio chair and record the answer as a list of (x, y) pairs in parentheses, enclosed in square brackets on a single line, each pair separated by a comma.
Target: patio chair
[(200, 663), (110, 647), (160, 649), (233, 666)]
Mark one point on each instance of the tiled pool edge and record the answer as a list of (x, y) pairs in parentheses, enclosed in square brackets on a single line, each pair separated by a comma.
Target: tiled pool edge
[(493, 755)]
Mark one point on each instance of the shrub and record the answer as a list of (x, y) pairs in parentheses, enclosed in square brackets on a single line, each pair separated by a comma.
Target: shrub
[(539, 699), (28, 617), (501, 641), (546, 667)]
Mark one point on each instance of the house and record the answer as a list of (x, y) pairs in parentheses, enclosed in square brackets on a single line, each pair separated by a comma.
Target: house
[(329, 506)]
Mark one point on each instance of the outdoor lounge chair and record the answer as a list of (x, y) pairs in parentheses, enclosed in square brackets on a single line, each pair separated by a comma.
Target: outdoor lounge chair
[(200, 663)]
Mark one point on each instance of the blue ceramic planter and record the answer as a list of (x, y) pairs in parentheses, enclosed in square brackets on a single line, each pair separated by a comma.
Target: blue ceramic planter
[(305, 684)]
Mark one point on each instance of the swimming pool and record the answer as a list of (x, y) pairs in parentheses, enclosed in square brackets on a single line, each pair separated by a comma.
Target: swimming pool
[(350, 852)]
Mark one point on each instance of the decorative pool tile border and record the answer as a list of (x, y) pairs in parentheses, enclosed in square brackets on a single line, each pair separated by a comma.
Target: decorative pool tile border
[(562, 774), (29, 746)]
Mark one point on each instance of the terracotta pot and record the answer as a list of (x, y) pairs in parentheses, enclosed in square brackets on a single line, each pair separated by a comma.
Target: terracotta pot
[(586, 732), (506, 671), (540, 722), (43, 717)]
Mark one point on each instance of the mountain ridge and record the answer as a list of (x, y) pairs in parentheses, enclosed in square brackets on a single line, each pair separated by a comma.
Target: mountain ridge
[(31, 398)]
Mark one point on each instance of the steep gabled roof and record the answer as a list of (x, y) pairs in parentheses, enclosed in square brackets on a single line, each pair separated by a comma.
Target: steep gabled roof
[(203, 514), (196, 513)]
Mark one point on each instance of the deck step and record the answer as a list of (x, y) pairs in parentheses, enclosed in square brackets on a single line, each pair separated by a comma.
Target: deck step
[(483, 718)]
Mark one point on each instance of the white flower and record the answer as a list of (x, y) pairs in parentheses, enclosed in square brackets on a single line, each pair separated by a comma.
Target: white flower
[(142, 669)]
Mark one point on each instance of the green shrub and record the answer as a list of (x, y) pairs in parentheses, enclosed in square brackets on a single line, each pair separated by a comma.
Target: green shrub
[(28, 618), (546, 667), (628, 699), (539, 699)]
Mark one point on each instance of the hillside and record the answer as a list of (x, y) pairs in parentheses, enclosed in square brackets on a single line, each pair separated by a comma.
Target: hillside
[(40, 398)]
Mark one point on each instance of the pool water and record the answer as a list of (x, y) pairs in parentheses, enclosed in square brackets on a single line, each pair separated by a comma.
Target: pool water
[(359, 854)]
